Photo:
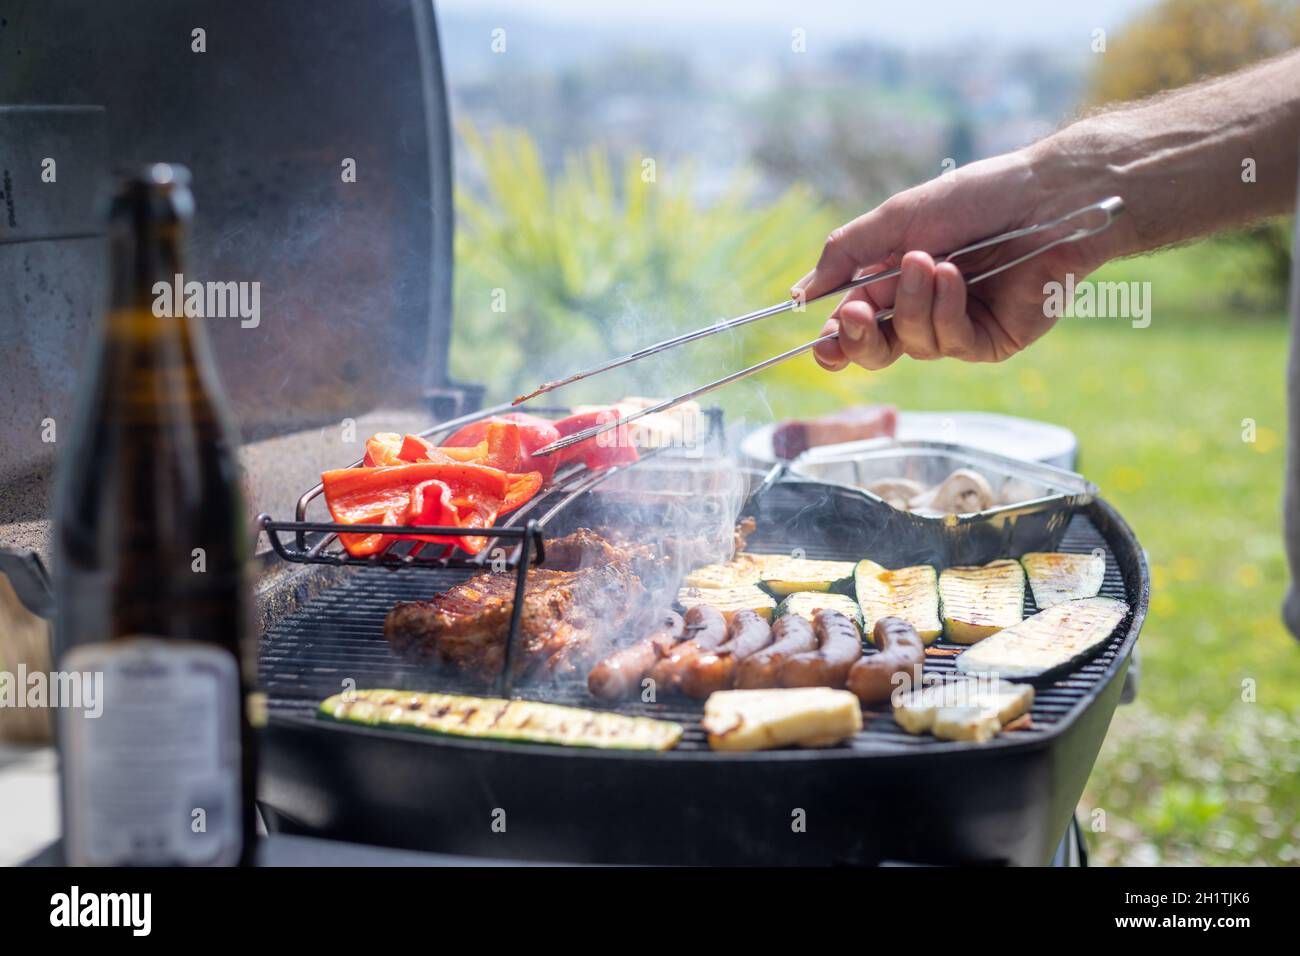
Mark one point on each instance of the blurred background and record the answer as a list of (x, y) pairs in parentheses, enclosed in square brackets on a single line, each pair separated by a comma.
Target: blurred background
[(625, 172)]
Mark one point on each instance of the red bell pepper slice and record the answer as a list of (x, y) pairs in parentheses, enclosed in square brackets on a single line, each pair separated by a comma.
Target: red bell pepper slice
[(505, 451), (354, 496), (614, 447), (521, 488), (434, 503), (500, 448), (431, 503), (383, 448), (534, 432), (389, 496), (416, 449)]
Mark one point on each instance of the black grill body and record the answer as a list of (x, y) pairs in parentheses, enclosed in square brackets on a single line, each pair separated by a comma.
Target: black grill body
[(883, 796)]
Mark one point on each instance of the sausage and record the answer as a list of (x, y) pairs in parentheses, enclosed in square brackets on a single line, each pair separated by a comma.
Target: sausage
[(839, 645), (709, 630), (619, 675), (790, 635), (747, 634), (874, 677)]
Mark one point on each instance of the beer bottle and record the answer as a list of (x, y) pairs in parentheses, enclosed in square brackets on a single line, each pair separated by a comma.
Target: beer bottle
[(152, 607)]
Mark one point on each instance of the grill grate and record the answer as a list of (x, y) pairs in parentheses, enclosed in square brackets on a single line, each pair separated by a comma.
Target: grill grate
[(338, 636)]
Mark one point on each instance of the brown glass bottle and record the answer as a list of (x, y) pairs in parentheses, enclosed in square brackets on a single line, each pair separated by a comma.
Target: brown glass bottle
[(150, 544)]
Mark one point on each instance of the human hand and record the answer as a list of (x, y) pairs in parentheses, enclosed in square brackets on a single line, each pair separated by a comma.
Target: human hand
[(935, 314)]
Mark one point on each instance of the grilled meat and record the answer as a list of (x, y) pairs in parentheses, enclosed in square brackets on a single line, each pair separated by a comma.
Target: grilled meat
[(569, 617), (586, 548), (744, 528)]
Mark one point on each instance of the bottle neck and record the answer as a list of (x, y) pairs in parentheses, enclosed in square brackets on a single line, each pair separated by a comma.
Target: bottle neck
[(149, 276), (155, 352)]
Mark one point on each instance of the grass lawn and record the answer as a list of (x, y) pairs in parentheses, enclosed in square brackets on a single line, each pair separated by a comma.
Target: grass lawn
[(1196, 771)]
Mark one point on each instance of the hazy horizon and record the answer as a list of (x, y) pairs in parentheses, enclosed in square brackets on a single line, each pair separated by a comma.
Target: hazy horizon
[(940, 23)]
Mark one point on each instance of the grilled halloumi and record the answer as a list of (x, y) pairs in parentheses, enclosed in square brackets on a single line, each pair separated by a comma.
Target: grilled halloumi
[(979, 601), (805, 604), (1055, 576), (762, 719), (970, 709), (493, 718), (747, 597), (908, 593), (1049, 640), (965, 723), (805, 574)]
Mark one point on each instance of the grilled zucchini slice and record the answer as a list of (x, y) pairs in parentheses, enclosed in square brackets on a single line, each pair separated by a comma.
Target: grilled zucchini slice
[(908, 593), (492, 718), (1055, 576), (760, 719), (747, 597), (978, 602), (806, 574), (1049, 640), (807, 603), (743, 569)]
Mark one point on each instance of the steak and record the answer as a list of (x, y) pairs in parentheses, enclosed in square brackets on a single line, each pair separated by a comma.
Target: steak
[(570, 617)]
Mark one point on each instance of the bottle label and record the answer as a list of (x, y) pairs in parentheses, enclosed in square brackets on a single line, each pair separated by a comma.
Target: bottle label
[(155, 778)]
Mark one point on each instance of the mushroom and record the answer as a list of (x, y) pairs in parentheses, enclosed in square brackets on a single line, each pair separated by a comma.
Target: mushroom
[(962, 492), (896, 491), (923, 501)]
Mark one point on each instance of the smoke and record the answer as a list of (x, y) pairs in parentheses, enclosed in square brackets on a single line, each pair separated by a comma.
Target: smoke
[(650, 523)]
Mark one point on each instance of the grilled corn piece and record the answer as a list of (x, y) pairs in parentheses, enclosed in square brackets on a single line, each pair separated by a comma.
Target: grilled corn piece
[(492, 718), (807, 603), (806, 574), (979, 601), (908, 593), (746, 597), (1047, 641), (1055, 576), (762, 719)]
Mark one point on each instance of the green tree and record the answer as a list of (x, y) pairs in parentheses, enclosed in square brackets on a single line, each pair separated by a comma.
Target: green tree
[(1178, 42)]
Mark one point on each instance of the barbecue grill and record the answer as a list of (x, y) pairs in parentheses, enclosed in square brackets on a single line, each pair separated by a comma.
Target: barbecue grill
[(271, 208), (883, 796)]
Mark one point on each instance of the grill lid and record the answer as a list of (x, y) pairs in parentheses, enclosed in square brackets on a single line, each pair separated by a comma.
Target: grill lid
[(265, 107)]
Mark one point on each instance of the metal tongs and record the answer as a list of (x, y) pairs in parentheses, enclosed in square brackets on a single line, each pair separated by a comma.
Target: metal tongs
[(1106, 209)]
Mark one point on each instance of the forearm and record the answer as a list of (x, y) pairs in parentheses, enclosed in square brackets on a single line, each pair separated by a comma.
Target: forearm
[(1180, 159)]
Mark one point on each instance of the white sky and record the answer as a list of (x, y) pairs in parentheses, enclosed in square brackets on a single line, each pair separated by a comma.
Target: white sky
[(911, 23)]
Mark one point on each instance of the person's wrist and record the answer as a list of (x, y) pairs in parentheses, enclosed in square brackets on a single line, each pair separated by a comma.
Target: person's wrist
[(1072, 168)]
